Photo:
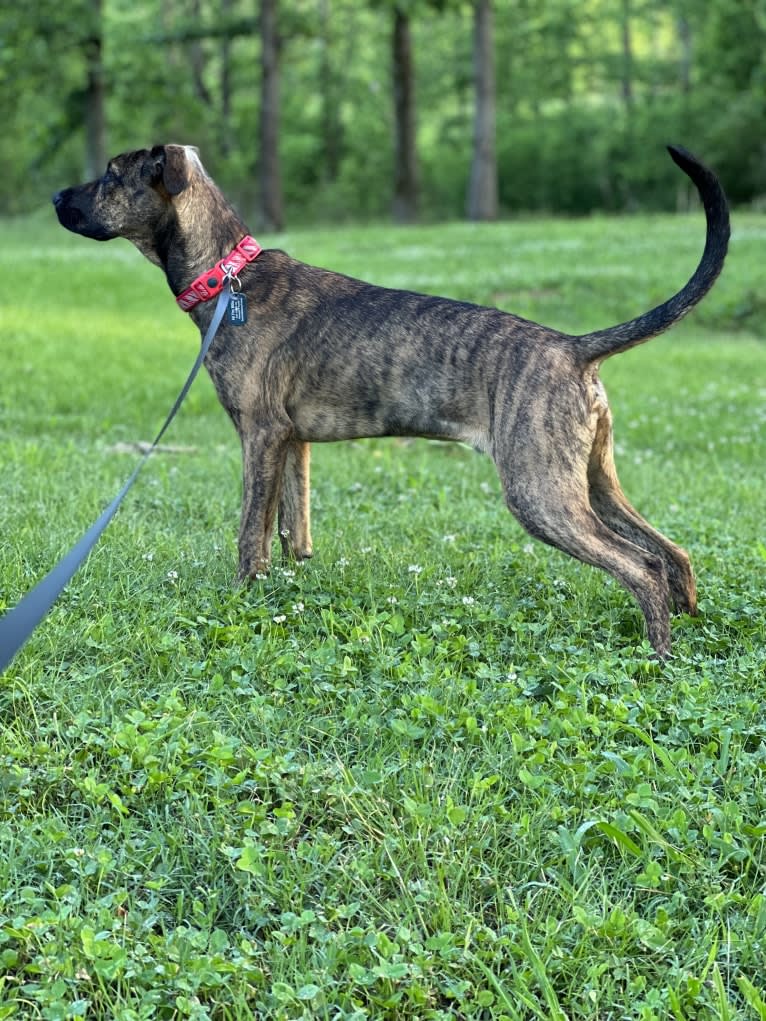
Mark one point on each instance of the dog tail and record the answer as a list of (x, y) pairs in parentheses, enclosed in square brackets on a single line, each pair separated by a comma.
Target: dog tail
[(591, 347)]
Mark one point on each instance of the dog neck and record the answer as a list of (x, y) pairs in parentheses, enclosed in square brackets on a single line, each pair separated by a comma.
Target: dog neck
[(188, 242)]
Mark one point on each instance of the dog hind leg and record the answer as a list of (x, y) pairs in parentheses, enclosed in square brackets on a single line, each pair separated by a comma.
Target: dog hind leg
[(613, 508), (558, 512)]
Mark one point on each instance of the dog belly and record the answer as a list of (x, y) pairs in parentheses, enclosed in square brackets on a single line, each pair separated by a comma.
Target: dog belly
[(324, 423)]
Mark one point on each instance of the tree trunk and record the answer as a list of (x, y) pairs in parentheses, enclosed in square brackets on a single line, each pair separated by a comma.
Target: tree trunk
[(405, 202), (685, 43), (270, 176), (225, 133), (626, 91), (95, 94), (626, 82), (482, 186), (683, 192), (331, 127), (198, 60)]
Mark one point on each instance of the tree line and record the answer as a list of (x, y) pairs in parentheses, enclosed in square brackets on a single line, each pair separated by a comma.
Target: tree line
[(417, 109)]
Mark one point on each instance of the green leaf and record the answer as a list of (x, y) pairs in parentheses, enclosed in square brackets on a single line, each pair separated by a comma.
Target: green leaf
[(308, 992), (620, 838), (457, 814), (406, 728), (391, 971), (532, 780), (251, 859), (753, 997)]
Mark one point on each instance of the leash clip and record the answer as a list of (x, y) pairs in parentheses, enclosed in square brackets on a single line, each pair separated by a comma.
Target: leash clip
[(231, 277)]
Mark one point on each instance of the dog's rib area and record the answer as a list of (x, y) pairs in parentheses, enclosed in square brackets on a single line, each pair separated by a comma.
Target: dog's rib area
[(344, 359)]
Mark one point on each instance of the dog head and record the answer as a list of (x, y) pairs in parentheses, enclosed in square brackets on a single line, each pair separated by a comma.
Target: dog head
[(133, 198)]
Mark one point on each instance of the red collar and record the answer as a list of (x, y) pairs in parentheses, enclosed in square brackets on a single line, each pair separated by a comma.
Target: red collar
[(212, 281)]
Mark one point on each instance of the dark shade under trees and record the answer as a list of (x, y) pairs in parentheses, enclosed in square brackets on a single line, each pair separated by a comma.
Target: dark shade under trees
[(337, 109)]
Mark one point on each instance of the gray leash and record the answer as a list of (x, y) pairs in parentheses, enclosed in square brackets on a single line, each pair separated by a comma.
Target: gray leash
[(18, 623)]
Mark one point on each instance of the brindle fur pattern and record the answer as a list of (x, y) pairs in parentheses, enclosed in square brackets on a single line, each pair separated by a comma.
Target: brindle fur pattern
[(326, 357)]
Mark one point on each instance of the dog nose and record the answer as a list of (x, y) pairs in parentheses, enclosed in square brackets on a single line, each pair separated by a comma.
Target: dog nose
[(58, 198)]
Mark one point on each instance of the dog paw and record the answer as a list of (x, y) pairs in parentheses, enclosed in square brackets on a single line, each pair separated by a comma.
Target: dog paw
[(291, 551), (247, 574), (682, 604)]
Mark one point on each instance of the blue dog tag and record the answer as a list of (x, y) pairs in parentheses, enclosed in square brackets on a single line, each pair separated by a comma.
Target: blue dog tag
[(237, 310)]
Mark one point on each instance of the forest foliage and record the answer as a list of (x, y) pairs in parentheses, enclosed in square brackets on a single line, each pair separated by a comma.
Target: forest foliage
[(587, 94)]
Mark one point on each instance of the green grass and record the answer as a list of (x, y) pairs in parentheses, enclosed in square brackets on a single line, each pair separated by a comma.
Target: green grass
[(431, 774)]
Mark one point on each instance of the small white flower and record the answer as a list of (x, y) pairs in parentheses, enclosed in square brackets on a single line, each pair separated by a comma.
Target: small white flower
[(392, 600), (448, 538), (450, 581), (259, 576), (343, 562), (279, 619), (468, 600), (528, 548), (297, 607), (149, 556), (172, 575), (366, 549), (415, 569)]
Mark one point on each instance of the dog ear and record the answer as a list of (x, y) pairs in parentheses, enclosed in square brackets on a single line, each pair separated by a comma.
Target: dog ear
[(170, 166)]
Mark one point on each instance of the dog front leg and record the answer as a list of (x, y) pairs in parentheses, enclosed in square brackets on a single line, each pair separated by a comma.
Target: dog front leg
[(264, 449), (294, 503)]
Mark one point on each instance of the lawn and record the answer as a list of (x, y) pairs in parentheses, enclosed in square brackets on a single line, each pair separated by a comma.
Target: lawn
[(433, 773)]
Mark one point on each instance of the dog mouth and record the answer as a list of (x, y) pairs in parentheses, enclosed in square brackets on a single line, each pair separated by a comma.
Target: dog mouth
[(76, 220)]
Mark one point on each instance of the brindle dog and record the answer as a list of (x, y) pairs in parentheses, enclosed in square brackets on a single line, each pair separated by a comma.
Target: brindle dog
[(326, 357)]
